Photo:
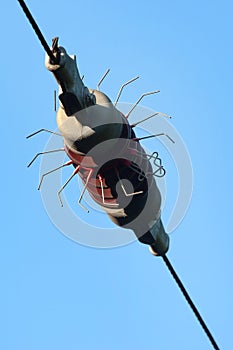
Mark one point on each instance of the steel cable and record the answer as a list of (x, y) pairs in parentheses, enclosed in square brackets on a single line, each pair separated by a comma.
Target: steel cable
[(190, 302), (37, 30)]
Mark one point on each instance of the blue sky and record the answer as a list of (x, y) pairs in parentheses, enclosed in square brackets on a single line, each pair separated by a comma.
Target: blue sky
[(57, 294)]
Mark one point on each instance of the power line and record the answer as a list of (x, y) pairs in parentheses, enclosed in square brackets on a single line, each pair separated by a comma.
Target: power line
[(190, 302), (37, 30)]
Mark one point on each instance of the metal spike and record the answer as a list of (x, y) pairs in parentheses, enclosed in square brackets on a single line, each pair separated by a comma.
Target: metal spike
[(84, 189), (143, 120), (102, 79), (70, 178), (51, 171), (45, 130), (102, 193), (151, 116), (40, 153), (147, 137), (140, 98), (122, 87)]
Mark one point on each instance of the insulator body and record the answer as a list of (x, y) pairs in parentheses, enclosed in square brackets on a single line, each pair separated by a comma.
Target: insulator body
[(113, 166)]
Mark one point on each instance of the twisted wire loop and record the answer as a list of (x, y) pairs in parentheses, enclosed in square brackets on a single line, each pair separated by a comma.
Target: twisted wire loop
[(190, 302), (158, 164), (159, 170)]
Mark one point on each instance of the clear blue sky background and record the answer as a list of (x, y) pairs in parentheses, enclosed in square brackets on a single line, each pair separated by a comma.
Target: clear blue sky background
[(56, 294)]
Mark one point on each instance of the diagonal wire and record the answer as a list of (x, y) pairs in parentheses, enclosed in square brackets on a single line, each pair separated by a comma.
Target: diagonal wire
[(190, 302), (37, 30)]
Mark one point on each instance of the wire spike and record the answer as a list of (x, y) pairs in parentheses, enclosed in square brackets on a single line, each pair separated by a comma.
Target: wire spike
[(165, 115), (66, 183), (151, 116), (47, 152), (122, 87), (84, 189), (51, 171), (156, 135), (102, 79), (43, 130), (140, 98), (143, 120), (102, 193)]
